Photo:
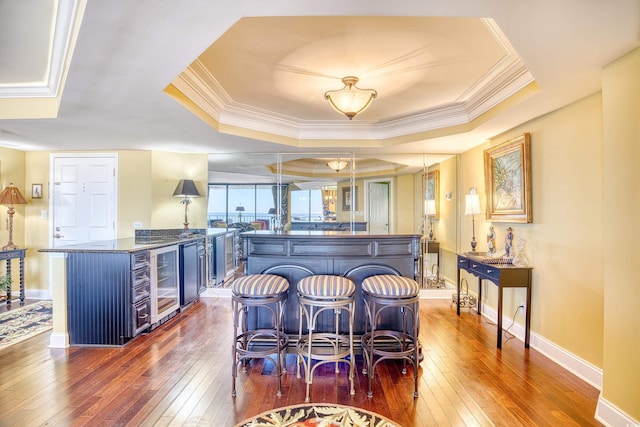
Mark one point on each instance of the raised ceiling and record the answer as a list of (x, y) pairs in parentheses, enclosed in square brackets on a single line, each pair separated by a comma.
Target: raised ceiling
[(268, 76)]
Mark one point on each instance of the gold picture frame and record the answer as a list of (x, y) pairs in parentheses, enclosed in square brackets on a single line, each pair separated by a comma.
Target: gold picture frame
[(507, 174), (431, 191)]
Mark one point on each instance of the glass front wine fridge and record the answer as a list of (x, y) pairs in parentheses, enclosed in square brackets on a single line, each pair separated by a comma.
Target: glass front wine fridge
[(165, 291)]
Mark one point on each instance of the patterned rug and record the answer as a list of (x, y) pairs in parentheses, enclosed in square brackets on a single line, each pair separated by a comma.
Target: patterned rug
[(321, 415), (18, 324)]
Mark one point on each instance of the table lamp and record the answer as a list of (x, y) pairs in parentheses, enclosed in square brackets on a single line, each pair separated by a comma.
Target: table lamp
[(272, 212), (430, 212), (240, 209), (472, 207), (186, 189), (11, 196)]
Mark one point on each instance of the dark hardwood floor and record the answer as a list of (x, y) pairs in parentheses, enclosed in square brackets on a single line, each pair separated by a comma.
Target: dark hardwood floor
[(180, 374)]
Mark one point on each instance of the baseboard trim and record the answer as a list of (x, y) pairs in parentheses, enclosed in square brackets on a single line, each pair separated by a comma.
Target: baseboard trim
[(609, 415), (37, 294), (58, 340), (216, 293), (577, 366)]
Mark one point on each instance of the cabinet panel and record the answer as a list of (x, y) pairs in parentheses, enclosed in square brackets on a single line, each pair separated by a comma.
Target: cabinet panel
[(99, 299)]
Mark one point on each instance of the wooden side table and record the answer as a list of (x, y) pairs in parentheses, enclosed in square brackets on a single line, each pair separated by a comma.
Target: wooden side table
[(8, 256)]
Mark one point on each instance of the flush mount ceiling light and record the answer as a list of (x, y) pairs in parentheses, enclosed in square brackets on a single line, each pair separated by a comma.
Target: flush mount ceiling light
[(337, 165), (350, 100)]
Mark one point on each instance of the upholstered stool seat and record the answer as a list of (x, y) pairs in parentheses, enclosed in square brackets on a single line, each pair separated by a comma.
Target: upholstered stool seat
[(323, 344), (266, 292), (382, 294)]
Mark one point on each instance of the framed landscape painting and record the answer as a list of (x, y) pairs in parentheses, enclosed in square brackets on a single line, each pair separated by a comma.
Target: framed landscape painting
[(507, 174)]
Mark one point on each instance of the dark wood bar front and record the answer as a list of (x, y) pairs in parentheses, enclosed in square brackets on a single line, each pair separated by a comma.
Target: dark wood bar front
[(356, 255)]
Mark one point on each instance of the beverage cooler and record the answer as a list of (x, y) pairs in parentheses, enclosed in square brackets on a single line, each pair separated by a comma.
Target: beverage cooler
[(165, 283)]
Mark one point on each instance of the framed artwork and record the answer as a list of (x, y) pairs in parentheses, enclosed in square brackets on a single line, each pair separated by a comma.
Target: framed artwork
[(507, 174), (431, 191), (349, 201), (36, 191)]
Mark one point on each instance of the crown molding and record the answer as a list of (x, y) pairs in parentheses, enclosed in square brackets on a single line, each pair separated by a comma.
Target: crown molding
[(65, 26)]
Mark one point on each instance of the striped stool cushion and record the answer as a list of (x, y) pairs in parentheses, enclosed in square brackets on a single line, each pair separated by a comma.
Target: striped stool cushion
[(390, 285), (260, 285), (323, 285)]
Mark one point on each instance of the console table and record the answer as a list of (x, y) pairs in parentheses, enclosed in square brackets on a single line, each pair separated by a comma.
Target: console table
[(503, 276), (8, 256)]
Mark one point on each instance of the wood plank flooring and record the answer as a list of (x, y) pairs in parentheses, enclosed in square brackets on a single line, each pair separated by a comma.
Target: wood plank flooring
[(180, 375)]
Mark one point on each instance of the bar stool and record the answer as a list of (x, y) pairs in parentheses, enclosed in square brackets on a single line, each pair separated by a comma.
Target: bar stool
[(269, 292), (387, 292), (317, 294)]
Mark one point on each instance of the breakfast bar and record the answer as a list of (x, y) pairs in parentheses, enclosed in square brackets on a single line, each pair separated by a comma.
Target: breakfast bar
[(356, 255)]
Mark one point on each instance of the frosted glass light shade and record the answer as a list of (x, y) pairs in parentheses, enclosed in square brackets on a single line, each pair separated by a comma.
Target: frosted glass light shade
[(350, 100)]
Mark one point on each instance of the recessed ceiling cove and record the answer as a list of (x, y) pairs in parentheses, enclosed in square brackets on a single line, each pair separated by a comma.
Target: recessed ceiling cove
[(266, 78)]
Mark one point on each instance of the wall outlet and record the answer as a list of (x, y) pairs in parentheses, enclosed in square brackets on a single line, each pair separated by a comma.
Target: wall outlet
[(137, 225), (523, 305)]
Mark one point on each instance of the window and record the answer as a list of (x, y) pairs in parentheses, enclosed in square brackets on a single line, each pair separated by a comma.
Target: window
[(306, 205), (230, 203)]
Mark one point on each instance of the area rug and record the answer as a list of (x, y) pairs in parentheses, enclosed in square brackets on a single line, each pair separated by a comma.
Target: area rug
[(18, 324), (320, 415)]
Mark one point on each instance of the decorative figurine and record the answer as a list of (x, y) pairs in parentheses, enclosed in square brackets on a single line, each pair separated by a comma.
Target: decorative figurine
[(491, 241), (508, 242), (521, 257)]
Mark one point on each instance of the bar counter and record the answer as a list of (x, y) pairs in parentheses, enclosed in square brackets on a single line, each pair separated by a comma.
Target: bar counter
[(356, 255)]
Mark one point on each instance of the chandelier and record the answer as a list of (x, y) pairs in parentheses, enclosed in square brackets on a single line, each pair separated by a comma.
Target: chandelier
[(350, 100), (337, 165)]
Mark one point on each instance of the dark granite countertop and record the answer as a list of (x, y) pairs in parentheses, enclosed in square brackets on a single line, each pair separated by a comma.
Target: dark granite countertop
[(325, 233), (144, 240)]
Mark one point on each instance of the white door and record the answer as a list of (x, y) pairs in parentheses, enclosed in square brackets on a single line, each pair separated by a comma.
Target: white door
[(83, 198), (379, 207)]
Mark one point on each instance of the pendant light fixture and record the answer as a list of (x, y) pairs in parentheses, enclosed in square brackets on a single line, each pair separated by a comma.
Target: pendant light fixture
[(350, 100), (337, 164)]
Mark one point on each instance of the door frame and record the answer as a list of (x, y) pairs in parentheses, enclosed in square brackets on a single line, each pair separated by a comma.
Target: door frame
[(389, 182)]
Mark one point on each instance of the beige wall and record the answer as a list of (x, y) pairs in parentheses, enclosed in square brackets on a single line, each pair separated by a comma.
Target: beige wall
[(167, 169), (36, 236), (404, 205), (621, 112), (565, 240)]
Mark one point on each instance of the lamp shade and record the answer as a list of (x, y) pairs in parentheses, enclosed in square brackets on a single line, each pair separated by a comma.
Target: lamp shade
[(240, 208), (186, 188), (12, 196), (272, 211), (472, 205), (350, 100)]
